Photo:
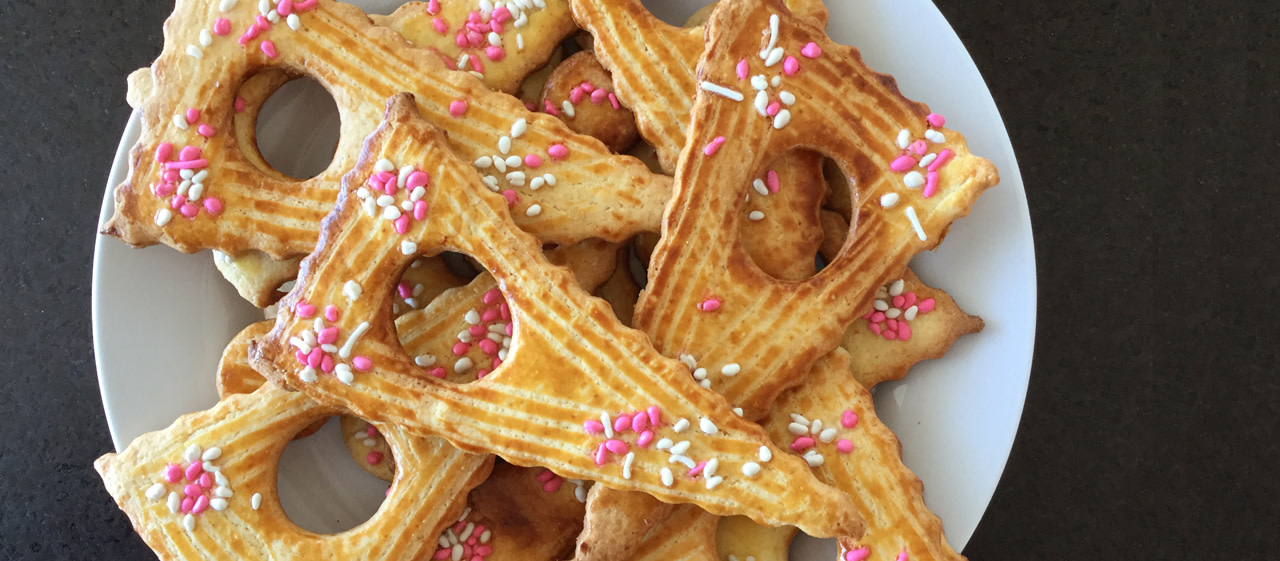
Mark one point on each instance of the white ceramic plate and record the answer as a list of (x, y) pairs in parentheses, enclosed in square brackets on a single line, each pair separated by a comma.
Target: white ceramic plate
[(161, 319)]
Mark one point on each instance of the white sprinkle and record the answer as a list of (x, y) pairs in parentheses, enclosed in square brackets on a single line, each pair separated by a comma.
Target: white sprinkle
[(498, 328), (180, 121), (516, 178), (915, 223), (667, 478), (761, 104), (472, 317), (814, 459), (781, 119), (913, 180), (679, 448), (896, 287), (486, 6), (700, 374), (329, 348), (495, 39), (174, 502), (221, 479), (483, 162), (760, 187), (192, 453), (295, 23), (189, 522), (308, 337), (197, 189), (514, 161), (680, 425), (195, 52), (384, 165), (707, 426), (163, 216), (351, 290), (731, 369), (184, 186), (626, 465), (500, 163), (390, 212), (264, 6), (403, 175), (893, 313), (424, 360), (755, 216), (463, 60), (519, 40), (211, 454), (550, 179), (567, 108), (904, 139), (484, 536), (346, 376), (345, 351), (464, 364), (927, 159), (787, 97), (712, 465), (889, 200), (688, 360), (816, 426), (798, 428), (206, 38), (155, 492), (686, 460), (464, 336), (827, 434), (466, 532), (536, 183), (714, 482), (705, 384), (406, 206), (491, 182), (371, 207), (579, 492), (225, 5), (750, 469), (911, 312), (519, 127), (775, 56), (737, 411), (223, 491), (664, 444), (308, 375), (880, 305), (369, 442), (608, 425), (255, 501), (408, 248), (765, 454), (457, 552), (504, 144), (218, 504), (935, 136), (775, 81), (722, 91), (273, 16), (773, 35), (416, 195), (534, 210), (444, 542), (386, 201), (502, 354)]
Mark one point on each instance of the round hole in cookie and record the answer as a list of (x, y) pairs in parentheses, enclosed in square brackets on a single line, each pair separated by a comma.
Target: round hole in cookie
[(778, 222), (297, 129), (674, 12), (321, 495)]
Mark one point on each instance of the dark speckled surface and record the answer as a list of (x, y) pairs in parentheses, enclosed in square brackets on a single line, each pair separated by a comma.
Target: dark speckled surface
[(1147, 137)]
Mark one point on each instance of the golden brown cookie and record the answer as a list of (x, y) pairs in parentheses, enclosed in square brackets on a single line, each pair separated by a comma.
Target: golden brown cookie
[(580, 92)]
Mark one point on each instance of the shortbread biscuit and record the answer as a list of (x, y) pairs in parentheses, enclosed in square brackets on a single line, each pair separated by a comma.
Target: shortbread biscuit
[(605, 373), (580, 92)]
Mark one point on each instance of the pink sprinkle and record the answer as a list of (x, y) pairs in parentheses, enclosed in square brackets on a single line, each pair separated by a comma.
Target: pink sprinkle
[(616, 446), (558, 152), (697, 469), (221, 26), (890, 334), (576, 95), (713, 146), (639, 422), (205, 130), (440, 26), (904, 331), (201, 505), (206, 480), (189, 210), (385, 177), (844, 445), (925, 306), (192, 490), (773, 108), (441, 554), (553, 485), (304, 310), (461, 40), (460, 348), (875, 328), (902, 556), (655, 415), (709, 305), (495, 53), (550, 109), (587, 87), (502, 14), (163, 189), (478, 331), (163, 151), (404, 290), (602, 455), (936, 120), (327, 335), (263, 23), (908, 300), (193, 114), (187, 503), (743, 69), (593, 427), (415, 180), (315, 357), (473, 17), (171, 175), (943, 157), (239, 104), (433, 7), (902, 163), (177, 201), (858, 554), (496, 363), (791, 65), (249, 34), (438, 372), (930, 184), (489, 347), (457, 108), (848, 419), (613, 101), (172, 473), (268, 48), (370, 431), (476, 64), (188, 164), (214, 206), (505, 312), (545, 475), (899, 300), (892, 323), (598, 96), (645, 438), (362, 363), (284, 8), (301, 356), (490, 315), (877, 317), (390, 187), (802, 443), (484, 550), (532, 160), (622, 423), (812, 50), (919, 147), (530, 106), (511, 196), (771, 180), (492, 296), (373, 458), (402, 224), (189, 153)]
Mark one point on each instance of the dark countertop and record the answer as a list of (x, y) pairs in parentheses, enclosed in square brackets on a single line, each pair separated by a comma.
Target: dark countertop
[(1147, 138)]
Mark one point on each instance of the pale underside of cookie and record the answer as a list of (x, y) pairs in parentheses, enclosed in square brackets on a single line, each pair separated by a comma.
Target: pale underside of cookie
[(502, 45), (740, 539), (205, 487), (580, 92), (230, 202), (572, 366), (833, 418)]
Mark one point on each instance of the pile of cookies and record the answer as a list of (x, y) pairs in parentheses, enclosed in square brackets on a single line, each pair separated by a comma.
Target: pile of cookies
[(459, 285)]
